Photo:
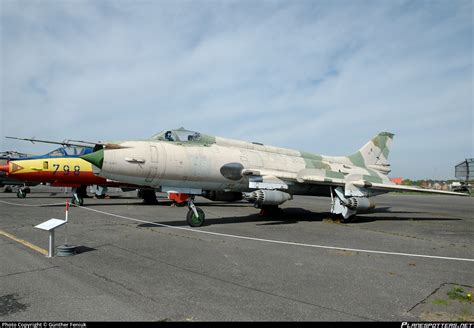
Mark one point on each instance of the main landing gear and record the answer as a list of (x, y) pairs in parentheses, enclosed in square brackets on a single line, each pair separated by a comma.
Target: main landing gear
[(269, 211), (195, 216), (78, 195), (148, 196), (22, 192), (347, 206)]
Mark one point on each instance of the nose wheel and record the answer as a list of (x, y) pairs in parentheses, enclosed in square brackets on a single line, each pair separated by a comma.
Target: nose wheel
[(195, 220), (195, 216)]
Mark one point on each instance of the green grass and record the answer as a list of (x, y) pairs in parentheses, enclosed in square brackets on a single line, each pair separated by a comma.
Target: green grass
[(440, 302), (466, 315), (457, 293)]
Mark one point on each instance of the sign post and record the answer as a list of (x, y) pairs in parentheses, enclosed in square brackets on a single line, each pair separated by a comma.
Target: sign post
[(50, 226)]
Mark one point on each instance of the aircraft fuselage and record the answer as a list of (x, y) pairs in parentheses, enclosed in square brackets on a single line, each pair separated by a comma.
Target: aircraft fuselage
[(169, 165), (62, 171)]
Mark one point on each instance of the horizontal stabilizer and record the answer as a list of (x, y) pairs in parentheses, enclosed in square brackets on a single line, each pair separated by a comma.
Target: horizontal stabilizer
[(394, 187)]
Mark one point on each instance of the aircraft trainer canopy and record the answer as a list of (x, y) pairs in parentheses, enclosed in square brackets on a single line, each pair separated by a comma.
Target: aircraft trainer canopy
[(179, 135), (74, 151)]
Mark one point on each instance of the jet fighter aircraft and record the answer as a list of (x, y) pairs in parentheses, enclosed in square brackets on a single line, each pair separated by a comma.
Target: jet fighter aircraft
[(9, 182), (187, 163), (61, 167)]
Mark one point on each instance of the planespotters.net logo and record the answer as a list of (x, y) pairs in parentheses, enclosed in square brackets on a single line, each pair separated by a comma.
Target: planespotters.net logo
[(437, 325)]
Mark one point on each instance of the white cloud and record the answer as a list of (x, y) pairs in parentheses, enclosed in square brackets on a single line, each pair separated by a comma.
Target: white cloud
[(315, 75)]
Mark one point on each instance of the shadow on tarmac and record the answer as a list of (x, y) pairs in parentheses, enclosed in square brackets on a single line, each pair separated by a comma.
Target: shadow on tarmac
[(283, 217), (84, 249), (296, 215)]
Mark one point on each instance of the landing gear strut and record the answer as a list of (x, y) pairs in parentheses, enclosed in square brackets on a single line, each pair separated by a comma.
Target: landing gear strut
[(22, 191), (340, 208), (148, 196), (347, 203), (78, 195), (195, 216)]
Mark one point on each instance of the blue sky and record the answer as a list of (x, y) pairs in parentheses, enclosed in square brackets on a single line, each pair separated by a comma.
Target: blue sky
[(320, 76)]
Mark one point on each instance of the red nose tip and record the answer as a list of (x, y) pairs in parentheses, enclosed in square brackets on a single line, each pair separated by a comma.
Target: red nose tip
[(5, 168)]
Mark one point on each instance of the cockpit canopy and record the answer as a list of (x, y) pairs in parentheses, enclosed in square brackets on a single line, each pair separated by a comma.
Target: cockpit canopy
[(179, 135), (73, 151)]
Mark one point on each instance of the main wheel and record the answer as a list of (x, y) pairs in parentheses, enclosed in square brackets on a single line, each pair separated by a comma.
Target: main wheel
[(269, 210), (148, 196), (350, 219), (77, 201), (193, 220), (21, 193), (82, 191)]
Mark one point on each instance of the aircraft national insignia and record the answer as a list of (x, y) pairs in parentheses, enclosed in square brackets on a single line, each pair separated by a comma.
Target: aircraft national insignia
[(16, 167)]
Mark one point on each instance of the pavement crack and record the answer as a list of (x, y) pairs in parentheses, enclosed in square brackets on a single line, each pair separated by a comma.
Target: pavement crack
[(29, 271), (243, 286), (122, 285), (434, 292), (109, 280), (404, 235), (424, 299)]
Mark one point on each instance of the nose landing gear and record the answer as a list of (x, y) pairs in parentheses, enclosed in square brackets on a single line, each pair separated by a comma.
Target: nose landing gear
[(195, 216)]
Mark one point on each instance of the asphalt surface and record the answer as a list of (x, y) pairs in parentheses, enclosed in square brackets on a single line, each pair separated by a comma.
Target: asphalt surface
[(136, 270)]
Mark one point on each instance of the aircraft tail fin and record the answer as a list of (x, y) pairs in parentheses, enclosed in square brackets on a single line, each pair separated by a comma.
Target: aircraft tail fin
[(374, 154)]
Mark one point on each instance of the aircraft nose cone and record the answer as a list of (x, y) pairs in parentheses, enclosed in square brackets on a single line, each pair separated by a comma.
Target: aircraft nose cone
[(5, 168), (96, 158)]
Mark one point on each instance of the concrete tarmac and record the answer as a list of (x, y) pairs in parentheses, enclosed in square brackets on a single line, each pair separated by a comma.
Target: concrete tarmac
[(129, 268)]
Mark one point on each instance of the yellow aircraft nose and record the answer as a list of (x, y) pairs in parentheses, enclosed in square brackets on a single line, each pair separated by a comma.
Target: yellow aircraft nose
[(5, 168)]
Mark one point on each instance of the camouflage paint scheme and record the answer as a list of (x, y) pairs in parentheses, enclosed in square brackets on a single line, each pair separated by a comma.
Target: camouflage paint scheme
[(189, 162)]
